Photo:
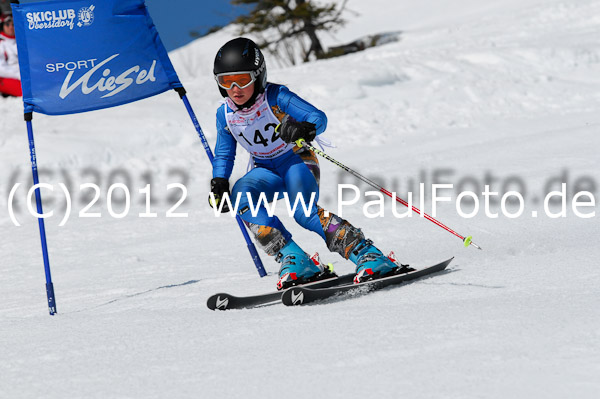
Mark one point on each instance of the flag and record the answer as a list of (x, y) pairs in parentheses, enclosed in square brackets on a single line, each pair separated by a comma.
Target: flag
[(77, 56)]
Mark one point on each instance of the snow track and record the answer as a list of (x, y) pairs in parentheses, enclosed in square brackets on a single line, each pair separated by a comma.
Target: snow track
[(508, 89)]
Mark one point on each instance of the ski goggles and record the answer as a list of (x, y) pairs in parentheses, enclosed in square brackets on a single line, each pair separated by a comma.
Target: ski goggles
[(240, 79)]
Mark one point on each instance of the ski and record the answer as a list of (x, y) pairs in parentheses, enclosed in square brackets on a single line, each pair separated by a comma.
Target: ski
[(223, 301), (302, 295)]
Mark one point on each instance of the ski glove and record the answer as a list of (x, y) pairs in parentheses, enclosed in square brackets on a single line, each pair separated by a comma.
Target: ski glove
[(218, 187), (292, 130)]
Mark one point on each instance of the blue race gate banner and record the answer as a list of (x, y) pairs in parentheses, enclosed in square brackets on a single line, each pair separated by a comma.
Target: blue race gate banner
[(83, 55), (78, 56)]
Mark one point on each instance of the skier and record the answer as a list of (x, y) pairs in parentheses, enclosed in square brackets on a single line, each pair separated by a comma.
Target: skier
[(10, 78), (266, 120)]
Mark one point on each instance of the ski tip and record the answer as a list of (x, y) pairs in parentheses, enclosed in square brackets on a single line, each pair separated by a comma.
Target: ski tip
[(218, 302), (293, 296)]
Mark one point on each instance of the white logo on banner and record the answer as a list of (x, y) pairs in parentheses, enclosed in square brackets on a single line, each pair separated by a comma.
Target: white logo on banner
[(109, 83), (60, 18), (86, 16)]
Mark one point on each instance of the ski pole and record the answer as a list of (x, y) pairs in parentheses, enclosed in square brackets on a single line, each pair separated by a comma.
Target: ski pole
[(251, 248), (466, 240)]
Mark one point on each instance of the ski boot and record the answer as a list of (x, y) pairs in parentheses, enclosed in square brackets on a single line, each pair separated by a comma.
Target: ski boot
[(297, 267), (371, 263)]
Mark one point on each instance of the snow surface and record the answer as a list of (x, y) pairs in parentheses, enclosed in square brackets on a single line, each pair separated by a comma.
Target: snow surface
[(504, 88)]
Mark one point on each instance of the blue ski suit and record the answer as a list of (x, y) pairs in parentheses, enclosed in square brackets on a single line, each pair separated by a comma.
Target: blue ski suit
[(278, 168)]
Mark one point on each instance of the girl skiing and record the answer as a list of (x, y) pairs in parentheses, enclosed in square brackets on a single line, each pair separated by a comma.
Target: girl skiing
[(266, 120)]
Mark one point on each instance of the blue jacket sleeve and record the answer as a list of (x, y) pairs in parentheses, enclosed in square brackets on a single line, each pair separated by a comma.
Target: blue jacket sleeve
[(224, 149), (299, 109)]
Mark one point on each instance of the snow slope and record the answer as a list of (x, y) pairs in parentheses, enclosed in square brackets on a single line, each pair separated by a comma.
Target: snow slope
[(505, 92)]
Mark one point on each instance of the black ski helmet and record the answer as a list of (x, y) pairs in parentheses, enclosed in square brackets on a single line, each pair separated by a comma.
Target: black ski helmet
[(242, 55)]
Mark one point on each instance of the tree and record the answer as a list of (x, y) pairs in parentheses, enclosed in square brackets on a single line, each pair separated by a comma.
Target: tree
[(279, 24)]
